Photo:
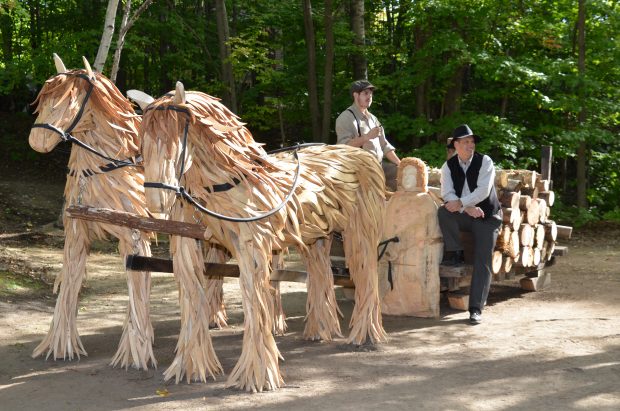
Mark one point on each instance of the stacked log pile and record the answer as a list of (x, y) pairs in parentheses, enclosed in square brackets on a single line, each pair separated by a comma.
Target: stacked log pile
[(528, 235)]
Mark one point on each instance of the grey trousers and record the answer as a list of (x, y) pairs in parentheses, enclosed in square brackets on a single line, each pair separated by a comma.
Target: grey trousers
[(485, 232)]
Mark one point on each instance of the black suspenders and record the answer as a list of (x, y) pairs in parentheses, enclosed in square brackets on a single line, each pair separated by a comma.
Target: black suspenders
[(359, 132)]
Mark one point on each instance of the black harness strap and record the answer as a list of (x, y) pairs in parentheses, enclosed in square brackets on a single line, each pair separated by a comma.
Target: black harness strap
[(181, 192), (66, 135)]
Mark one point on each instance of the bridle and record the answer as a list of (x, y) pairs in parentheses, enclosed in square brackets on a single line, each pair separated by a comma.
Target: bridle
[(65, 135), (180, 191)]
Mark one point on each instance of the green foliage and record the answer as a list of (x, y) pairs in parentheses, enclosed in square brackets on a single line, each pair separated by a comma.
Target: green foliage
[(508, 69)]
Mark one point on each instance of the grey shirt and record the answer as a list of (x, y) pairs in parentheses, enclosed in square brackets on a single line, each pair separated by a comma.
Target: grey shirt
[(347, 129), (486, 179)]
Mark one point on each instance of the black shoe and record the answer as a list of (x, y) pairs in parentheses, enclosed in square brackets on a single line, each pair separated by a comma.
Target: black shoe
[(459, 258), (453, 258), (475, 317)]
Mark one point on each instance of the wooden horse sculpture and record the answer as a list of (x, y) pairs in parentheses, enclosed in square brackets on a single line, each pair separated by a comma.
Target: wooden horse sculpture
[(253, 203), (87, 109)]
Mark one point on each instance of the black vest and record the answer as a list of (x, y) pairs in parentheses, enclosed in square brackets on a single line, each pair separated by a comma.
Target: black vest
[(489, 205)]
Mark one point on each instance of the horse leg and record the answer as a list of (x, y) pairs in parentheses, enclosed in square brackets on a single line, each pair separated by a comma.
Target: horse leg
[(195, 357), (360, 245), (63, 340), (257, 368), (321, 306), (214, 290), (136, 344), (279, 318)]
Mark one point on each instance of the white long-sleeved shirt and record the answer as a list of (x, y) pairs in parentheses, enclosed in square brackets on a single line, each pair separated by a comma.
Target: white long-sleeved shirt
[(486, 179)]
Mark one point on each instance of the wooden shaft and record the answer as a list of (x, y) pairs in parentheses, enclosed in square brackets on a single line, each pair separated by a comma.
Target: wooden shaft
[(148, 224)]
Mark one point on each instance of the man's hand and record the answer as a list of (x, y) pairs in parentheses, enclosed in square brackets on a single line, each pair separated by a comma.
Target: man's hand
[(453, 206), (475, 212), (373, 133)]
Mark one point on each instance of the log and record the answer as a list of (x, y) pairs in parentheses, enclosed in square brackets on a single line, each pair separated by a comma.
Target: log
[(507, 264), (527, 177), (526, 235), (536, 256), (548, 196), (148, 224), (551, 230), (542, 210), (539, 282), (512, 217), (501, 178), (526, 256), (539, 236), (524, 202), (564, 232), (496, 262), (543, 185), (514, 184), (458, 301), (434, 177), (560, 250), (514, 247), (509, 199), (532, 215), (503, 239), (530, 191)]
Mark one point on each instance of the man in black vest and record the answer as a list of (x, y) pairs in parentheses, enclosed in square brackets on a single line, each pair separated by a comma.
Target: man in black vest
[(470, 204)]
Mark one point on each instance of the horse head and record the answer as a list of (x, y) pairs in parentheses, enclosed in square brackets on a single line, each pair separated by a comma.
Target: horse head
[(190, 139), (76, 101)]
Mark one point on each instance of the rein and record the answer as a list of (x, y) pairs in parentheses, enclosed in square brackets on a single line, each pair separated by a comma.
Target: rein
[(181, 192), (67, 137)]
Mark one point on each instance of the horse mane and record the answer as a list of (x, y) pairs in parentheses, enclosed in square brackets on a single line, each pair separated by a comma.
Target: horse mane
[(112, 108), (225, 140)]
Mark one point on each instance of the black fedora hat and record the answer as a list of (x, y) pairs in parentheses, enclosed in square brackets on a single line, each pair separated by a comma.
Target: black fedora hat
[(462, 131)]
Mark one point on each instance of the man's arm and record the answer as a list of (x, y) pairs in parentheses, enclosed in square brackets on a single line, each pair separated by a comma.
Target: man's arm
[(391, 155), (451, 201)]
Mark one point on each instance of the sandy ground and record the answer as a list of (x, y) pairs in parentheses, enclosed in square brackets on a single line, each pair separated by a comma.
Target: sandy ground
[(556, 349)]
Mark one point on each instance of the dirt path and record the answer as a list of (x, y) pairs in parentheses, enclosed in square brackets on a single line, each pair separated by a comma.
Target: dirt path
[(557, 349)]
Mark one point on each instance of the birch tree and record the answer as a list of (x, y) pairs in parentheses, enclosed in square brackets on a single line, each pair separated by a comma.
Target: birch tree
[(106, 36)]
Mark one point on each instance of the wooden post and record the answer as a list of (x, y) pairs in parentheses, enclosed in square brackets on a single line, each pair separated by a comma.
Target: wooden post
[(546, 162)]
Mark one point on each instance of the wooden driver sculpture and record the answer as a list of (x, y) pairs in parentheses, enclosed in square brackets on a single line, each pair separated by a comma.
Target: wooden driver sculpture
[(253, 203), (87, 109)]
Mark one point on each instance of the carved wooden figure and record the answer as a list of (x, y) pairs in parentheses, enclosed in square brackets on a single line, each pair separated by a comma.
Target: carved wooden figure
[(411, 215)]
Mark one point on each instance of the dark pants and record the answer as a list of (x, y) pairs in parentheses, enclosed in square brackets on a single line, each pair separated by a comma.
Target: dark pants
[(389, 170), (485, 233)]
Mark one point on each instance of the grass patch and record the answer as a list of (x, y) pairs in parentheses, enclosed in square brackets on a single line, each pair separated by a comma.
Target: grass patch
[(12, 284)]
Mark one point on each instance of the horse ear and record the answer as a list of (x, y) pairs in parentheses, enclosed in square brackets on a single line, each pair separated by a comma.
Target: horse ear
[(179, 94), (60, 66), (89, 70)]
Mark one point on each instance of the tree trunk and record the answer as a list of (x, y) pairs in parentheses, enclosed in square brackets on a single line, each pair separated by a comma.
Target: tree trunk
[(313, 98), (35, 24), (420, 90), (106, 36), (223, 34), (582, 150), (126, 24), (452, 101), (329, 71), (360, 65)]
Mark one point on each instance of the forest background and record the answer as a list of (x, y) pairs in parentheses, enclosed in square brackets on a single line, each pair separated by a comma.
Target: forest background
[(522, 73)]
